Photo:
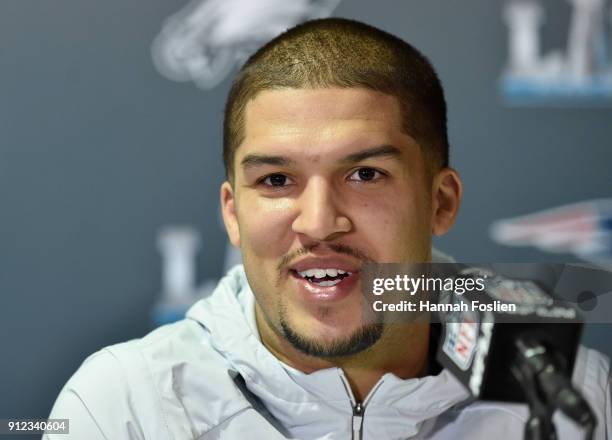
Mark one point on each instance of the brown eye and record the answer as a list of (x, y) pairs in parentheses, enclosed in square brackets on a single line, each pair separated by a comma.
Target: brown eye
[(366, 175), (276, 180)]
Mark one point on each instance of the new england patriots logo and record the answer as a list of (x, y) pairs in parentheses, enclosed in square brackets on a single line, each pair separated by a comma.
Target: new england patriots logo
[(583, 229)]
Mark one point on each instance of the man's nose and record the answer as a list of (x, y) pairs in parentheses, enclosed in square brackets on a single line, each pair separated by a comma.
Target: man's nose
[(319, 216)]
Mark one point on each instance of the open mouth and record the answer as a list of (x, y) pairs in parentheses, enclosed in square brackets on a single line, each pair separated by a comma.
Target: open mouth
[(322, 277)]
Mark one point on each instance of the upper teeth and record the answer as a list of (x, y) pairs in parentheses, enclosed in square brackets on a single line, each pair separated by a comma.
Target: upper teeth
[(321, 273)]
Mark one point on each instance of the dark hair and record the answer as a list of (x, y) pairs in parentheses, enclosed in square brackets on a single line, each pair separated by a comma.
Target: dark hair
[(336, 52)]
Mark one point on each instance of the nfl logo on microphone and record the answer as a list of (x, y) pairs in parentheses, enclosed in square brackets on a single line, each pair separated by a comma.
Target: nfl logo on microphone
[(460, 342)]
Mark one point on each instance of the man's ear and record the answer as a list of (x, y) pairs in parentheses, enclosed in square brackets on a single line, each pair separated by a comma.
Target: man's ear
[(228, 210), (446, 193)]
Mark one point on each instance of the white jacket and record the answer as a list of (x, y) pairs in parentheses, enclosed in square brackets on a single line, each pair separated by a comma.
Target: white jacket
[(209, 377)]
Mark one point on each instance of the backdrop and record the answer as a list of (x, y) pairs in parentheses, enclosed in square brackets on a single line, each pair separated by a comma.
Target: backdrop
[(98, 151)]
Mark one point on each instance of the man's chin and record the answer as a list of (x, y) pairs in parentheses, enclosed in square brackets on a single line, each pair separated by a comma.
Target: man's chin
[(330, 346)]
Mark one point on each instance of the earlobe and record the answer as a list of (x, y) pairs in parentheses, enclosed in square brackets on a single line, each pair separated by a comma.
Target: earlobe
[(228, 210), (447, 190)]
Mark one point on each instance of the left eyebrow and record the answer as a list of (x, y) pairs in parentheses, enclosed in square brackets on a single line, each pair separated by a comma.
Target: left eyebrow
[(256, 160), (381, 151)]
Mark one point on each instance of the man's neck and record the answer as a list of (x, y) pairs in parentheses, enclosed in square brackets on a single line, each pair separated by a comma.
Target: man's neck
[(401, 350)]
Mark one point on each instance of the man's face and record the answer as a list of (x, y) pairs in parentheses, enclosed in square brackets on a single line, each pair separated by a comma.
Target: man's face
[(325, 180)]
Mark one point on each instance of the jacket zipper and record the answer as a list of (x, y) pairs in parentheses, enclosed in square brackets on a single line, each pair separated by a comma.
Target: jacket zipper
[(358, 411), (358, 407)]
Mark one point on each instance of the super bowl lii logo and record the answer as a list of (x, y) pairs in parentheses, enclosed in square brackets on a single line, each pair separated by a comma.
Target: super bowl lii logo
[(581, 73)]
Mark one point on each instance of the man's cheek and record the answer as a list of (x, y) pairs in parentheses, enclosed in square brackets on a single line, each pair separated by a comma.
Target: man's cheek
[(264, 235)]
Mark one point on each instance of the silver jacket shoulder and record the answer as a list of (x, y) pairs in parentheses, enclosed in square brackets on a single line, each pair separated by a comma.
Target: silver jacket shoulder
[(168, 385)]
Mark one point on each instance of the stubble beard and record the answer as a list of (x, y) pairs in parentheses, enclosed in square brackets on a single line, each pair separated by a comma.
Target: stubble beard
[(360, 340)]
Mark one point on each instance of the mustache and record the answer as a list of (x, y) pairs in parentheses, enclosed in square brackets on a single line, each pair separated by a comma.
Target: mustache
[(336, 247)]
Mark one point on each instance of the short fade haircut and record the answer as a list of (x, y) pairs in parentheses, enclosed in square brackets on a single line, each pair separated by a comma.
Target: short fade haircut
[(336, 52)]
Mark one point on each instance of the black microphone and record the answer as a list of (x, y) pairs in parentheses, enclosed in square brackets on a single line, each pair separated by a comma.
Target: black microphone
[(523, 353), (555, 386), (478, 346)]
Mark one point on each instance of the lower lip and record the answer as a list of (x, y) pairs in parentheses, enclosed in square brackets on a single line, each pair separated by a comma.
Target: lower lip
[(312, 292)]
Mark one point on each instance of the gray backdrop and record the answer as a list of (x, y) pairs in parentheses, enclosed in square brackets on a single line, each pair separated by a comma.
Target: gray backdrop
[(97, 151)]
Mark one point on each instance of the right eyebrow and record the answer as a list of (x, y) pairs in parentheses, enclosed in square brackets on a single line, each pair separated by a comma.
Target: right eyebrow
[(380, 151), (256, 160)]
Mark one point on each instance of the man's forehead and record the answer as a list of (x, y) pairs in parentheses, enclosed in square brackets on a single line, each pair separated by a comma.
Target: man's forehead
[(334, 116), (288, 105)]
